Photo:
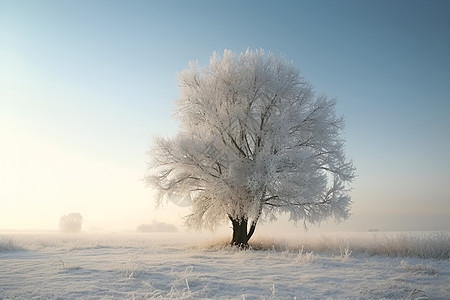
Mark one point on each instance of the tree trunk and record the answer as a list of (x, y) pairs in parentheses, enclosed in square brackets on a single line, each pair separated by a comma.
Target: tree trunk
[(240, 236)]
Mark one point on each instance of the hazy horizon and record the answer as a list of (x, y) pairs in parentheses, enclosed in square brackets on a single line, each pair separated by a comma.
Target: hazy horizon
[(84, 87)]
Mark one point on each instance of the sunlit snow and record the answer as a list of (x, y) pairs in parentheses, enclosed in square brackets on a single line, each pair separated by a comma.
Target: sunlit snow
[(146, 266)]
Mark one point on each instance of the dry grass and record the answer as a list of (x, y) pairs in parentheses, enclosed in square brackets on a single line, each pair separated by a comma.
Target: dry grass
[(8, 244), (423, 245)]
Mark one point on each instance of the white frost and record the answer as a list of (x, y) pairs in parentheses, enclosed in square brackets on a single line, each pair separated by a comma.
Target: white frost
[(254, 141), (149, 266)]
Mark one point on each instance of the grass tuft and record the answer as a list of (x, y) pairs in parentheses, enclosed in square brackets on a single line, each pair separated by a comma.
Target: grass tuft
[(9, 244)]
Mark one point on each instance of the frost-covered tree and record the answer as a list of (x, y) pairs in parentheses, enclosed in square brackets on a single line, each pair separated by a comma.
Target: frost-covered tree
[(71, 222), (255, 141)]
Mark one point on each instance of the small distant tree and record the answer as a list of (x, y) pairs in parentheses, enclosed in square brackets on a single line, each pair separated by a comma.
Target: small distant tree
[(157, 227), (71, 223), (255, 141)]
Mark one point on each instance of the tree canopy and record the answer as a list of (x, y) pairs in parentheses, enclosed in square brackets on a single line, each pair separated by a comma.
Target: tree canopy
[(71, 222), (255, 141)]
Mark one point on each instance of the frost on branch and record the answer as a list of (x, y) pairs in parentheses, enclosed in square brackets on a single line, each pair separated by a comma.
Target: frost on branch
[(254, 141)]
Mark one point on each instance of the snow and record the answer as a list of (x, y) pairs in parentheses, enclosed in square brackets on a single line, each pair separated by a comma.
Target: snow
[(182, 266)]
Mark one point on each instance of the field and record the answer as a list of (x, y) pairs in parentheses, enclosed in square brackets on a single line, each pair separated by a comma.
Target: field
[(180, 266)]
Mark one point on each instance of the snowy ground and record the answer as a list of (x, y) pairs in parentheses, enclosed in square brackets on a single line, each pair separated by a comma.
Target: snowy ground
[(142, 266)]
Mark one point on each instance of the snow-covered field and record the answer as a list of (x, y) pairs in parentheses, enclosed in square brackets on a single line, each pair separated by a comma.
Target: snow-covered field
[(178, 266)]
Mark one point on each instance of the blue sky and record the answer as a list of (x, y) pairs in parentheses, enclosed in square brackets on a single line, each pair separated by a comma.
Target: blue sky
[(84, 85)]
